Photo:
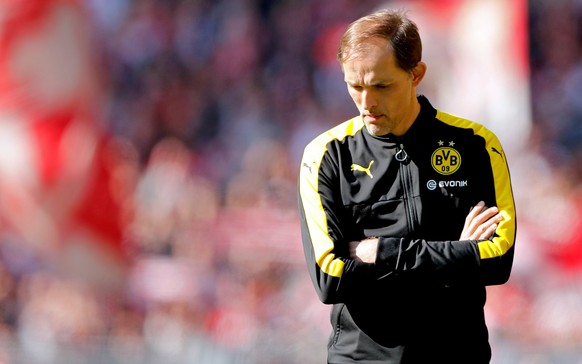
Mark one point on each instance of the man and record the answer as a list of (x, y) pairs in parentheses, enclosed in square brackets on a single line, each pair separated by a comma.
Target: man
[(395, 225)]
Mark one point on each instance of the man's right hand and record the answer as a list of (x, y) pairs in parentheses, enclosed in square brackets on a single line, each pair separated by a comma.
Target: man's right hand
[(480, 223)]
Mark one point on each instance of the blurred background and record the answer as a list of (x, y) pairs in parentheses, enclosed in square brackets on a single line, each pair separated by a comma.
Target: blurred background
[(149, 152)]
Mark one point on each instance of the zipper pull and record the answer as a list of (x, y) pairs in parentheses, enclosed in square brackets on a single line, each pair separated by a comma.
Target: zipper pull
[(401, 155)]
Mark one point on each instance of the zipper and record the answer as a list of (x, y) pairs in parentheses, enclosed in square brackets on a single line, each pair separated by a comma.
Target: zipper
[(401, 155), (408, 187)]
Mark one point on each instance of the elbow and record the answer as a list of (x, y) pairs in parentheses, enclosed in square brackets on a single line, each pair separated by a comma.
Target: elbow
[(326, 286), (327, 297), (499, 278), (497, 271), (326, 300)]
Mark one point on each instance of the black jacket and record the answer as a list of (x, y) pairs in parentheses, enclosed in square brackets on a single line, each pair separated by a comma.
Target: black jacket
[(422, 301)]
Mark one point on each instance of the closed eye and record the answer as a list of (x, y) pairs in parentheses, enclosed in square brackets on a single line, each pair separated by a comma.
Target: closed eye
[(360, 88)]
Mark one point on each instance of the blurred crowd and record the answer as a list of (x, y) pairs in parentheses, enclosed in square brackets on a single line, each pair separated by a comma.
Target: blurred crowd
[(149, 152)]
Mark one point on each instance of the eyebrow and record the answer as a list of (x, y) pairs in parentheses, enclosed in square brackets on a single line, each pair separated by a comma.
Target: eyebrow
[(375, 83)]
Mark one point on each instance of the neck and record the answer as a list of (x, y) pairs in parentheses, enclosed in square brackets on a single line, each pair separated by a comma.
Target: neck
[(408, 119)]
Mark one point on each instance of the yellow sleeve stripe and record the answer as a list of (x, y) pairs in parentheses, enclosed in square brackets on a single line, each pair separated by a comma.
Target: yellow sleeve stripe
[(315, 214), (504, 240)]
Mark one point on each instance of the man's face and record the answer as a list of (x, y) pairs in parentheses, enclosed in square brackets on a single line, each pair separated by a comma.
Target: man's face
[(384, 93)]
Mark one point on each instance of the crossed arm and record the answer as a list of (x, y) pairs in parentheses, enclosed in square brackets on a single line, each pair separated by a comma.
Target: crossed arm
[(480, 223)]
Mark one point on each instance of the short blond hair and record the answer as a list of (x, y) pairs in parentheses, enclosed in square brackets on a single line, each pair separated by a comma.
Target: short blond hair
[(389, 24)]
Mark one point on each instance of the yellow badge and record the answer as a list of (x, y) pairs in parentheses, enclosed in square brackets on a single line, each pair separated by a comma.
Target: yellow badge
[(446, 160)]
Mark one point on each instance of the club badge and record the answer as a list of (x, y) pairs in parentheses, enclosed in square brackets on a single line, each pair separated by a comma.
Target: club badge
[(446, 160)]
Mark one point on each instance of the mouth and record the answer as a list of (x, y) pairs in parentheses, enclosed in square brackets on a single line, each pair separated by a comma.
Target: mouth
[(371, 118)]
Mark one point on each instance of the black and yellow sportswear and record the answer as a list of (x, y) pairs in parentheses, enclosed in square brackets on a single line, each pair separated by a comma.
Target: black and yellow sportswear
[(422, 301)]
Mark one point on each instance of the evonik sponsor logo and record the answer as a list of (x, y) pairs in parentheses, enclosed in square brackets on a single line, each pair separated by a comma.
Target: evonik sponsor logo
[(432, 184)]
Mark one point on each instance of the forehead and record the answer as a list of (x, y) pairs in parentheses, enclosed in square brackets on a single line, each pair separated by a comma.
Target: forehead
[(373, 58)]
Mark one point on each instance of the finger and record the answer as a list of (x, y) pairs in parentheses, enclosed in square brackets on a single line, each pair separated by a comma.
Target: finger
[(475, 210), (487, 228), (480, 232), (488, 232), (483, 217), (475, 225), (489, 213)]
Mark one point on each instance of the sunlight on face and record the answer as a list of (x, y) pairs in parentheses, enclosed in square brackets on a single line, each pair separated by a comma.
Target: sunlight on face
[(384, 93)]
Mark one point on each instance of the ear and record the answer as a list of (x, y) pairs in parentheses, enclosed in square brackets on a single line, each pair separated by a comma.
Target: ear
[(418, 73)]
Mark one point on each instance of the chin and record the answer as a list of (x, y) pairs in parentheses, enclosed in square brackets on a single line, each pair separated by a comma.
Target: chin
[(376, 131)]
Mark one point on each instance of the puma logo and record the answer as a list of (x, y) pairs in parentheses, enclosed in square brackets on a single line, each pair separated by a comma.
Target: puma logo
[(496, 151), (307, 166), (357, 167)]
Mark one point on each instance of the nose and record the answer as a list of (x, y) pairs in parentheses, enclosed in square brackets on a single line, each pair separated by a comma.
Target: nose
[(368, 100)]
